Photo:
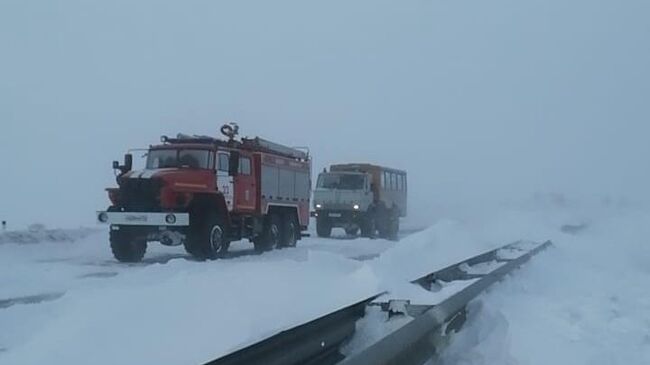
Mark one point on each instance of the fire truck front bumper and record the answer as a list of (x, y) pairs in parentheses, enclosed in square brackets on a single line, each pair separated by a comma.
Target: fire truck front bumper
[(144, 219)]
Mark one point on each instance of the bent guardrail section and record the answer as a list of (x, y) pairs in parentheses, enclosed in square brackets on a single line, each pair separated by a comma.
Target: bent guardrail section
[(318, 342), (417, 341)]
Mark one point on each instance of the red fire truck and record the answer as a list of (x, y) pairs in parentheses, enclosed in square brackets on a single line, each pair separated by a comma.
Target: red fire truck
[(203, 193)]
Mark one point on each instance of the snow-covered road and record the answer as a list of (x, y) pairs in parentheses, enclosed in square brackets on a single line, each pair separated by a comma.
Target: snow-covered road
[(72, 303), (58, 295)]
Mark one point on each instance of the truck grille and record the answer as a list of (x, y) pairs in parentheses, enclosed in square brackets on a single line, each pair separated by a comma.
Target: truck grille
[(140, 195)]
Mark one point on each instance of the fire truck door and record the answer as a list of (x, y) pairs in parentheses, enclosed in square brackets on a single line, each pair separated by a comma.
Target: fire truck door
[(224, 180), (245, 189)]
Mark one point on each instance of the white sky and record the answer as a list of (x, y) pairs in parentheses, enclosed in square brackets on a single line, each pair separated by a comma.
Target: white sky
[(476, 99)]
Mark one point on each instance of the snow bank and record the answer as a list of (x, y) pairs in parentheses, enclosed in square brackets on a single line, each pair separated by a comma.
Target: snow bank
[(584, 301), (38, 233), (585, 297), (189, 312), (441, 245)]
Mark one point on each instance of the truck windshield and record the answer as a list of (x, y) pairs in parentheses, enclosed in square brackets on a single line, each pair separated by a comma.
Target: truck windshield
[(341, 181), (159, 159)]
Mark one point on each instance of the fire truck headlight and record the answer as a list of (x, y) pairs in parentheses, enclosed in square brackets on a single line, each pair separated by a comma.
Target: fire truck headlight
[(355, 207), (170, 219), (102, 217), (318, 206)]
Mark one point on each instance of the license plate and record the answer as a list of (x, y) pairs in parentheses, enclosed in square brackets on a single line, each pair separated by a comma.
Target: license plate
[(335, 215)]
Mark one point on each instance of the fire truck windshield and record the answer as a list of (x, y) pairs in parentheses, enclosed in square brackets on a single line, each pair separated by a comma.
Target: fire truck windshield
[(341, 181), (159, 159)]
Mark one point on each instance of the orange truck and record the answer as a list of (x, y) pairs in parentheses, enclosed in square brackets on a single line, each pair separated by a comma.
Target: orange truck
[(360, 197)]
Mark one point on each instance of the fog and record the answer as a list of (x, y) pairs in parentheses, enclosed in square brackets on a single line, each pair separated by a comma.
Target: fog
[(480, 101)]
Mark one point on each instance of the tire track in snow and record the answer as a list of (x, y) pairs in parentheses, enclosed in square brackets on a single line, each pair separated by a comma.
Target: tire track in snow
[(30, 299)]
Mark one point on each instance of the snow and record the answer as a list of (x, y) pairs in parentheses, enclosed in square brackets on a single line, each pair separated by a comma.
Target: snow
[(583, 301), (446, 243), (374, 326), (201, 310), (120, 313), (584, 297), (420, 296), (38, 233)]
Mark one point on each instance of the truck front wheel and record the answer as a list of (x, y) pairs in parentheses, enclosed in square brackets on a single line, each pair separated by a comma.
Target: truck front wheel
[(207, 238), (127, 246), (368, 227), (323, 227)]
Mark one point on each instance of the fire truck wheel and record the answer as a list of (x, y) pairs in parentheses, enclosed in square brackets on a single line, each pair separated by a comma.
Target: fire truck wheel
[(127, 247), (289, 231), (323, 227), (207, 238), (270, 237), (217, 244)]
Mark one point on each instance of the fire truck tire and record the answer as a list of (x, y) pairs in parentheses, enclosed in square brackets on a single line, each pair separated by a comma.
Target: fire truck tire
[(323, 227), (289, 231), (270, 237), (127, 247), (207, 238), (189, 248)]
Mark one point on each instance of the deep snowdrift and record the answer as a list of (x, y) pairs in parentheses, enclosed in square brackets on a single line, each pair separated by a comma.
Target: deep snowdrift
[(584, 301), (585, 298), (171, 310)]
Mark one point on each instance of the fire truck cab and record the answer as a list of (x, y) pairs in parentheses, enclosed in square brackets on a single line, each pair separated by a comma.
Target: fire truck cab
[(203, 193), (360, 197)]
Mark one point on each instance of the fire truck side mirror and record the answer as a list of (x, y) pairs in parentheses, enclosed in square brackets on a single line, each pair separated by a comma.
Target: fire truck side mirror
[(128, 162), (233, 164)]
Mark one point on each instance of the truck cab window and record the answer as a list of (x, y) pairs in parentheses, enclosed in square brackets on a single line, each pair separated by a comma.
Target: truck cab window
[(245, 166), (342, 181), (224, 161), (197, 159), (172, 158), (160, 159)]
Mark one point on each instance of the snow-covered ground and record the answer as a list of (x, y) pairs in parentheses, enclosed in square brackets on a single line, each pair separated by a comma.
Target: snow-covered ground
[(584, 301), (68, 302)]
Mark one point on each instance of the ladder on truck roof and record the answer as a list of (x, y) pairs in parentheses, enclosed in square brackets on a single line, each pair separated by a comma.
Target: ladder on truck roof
[(256, 143), (260, 143)]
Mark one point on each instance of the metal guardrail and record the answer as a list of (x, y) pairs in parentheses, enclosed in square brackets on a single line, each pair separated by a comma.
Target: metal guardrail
[(318, 342), (417, 341), (455, 272)]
